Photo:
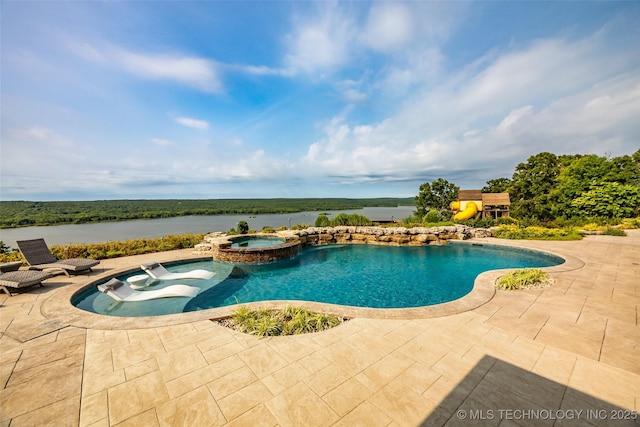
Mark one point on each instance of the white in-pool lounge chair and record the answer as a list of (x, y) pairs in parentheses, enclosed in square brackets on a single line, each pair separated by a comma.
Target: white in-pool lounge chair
[(121, 292), (158, 272)]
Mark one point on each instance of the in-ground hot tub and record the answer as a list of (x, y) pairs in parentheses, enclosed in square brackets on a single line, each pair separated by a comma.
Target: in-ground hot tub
[(255, 248)]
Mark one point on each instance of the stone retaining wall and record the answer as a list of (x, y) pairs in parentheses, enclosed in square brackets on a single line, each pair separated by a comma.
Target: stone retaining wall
[(367, 235), (386, 235), (224, 252)]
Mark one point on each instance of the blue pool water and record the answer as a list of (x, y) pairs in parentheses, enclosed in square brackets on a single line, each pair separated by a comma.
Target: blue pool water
[(355, 275), (255, 241)]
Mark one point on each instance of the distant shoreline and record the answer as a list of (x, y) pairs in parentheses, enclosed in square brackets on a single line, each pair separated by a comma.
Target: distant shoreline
[(63, 234), (19, 214)]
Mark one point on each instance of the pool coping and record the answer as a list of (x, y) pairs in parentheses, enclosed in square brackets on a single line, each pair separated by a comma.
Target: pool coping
[(58, 307)]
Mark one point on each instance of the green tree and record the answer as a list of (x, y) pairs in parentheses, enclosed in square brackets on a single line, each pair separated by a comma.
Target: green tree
[(584, 174), (498, 185), (577, 177), (626, 169), (435, 195), (531, 185), (610, 200)]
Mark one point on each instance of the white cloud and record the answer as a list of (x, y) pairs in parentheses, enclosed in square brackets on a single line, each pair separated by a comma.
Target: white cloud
[(552, 95), (422, 68), (334, 37), (86, 51), (321, 43), (437, 21), (607, 108), (193, 123), (37, 158), (544, 70), (389, 26), (197, 72), (513, 118), (263, 70), (162, 142), (399, 106), (45, 136), (351, 92), (192, 71)]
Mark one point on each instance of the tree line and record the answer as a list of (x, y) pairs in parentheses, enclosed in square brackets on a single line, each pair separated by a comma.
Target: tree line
[(548, 187), (15, 214)]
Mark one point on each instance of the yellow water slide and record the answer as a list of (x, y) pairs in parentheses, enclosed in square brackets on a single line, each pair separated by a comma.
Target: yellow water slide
[(470, 210)]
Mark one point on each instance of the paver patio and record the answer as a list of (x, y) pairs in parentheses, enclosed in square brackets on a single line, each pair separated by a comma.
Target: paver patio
[(563, 355)]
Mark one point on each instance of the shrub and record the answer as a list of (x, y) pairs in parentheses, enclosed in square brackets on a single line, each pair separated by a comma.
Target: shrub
[(412, 221), (529, 221), (4, 249), (523, 279), (536, 233), (243, 227), (287, 321), (480, 222), (323, 220), (350, 219), (592, 226), (268, 229), (340, 219), (300, 226), (582, 221), (614, 231), (115, 249), (11, 257), (630, 223), (609, 200), (432, 216), (506, 220), (126, 248)]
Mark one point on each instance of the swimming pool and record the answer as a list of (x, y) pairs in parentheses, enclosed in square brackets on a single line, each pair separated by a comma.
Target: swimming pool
[(355, 275)]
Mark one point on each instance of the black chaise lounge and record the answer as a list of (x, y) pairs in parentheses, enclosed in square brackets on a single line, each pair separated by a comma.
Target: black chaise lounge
[(39, 257)]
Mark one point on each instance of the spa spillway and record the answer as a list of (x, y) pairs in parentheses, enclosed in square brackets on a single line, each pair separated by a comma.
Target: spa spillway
[(255, 248)]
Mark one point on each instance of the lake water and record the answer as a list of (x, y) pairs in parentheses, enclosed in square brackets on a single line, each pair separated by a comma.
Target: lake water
[(126, 230)]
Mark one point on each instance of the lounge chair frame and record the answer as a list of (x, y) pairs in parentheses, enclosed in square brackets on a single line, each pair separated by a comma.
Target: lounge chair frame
[(39, 257), (21, 279)]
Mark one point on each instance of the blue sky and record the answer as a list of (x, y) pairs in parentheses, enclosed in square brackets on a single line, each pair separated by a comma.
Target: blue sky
[(222, 99)]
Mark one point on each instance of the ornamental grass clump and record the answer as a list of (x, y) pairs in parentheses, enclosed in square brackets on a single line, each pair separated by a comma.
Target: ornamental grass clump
[(607, 230), (613, 231), (524, 279), (287, 321)]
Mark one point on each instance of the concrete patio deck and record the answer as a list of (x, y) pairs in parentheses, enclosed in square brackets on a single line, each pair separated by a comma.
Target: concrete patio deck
[(563, 355)]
